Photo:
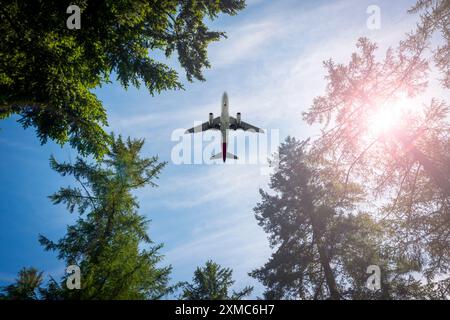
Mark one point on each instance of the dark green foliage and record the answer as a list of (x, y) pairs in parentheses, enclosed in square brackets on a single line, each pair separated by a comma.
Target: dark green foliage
[(212, 282), (322, 244), (26, 286), (109, 242), (47, 72)]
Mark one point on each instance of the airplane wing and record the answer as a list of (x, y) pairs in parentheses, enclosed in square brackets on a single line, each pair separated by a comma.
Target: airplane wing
[(243, 125), (206, 126)]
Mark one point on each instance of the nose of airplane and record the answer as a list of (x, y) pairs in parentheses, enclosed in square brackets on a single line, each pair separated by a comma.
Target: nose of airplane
[(225, 98)]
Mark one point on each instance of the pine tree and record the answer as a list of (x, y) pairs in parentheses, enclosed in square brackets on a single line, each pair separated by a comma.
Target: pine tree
[(109, 242), (323, 244), (404, 167), (25, 287), (212, 282)]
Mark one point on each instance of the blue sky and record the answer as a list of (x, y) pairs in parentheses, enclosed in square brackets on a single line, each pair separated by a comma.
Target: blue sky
[(271, 67)]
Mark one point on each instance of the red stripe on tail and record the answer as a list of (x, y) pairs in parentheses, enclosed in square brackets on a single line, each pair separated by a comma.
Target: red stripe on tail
[(224, 151)]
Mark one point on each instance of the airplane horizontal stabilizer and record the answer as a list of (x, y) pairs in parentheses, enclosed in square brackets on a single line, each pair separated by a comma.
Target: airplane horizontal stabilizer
[(220, 156)]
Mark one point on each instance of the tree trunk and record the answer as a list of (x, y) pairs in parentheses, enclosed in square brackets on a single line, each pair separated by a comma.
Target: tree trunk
[(323, 255), (329, 275)]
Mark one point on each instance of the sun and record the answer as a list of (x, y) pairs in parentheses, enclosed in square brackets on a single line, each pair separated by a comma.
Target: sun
[(383, 121), (389, 117)]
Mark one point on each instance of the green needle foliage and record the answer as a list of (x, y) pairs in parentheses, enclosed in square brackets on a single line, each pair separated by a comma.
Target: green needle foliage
[(47, 71), (25, 287), (212, 282), (323, 244), (109, 242)]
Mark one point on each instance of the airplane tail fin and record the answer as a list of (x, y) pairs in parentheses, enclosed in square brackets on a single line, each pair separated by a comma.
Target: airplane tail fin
[(220, 156)]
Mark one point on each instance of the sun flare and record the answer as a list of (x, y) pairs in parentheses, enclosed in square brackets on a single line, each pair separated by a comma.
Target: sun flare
[(389, 117)]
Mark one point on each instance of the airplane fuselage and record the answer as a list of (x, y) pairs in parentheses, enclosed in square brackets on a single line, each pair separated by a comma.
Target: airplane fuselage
[(224, 124)]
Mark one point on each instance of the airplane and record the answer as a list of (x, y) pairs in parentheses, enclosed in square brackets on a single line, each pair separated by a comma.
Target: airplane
[(224, 123)]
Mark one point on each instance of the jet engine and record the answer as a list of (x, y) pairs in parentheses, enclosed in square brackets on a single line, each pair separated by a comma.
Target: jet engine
[(238, 118), (211, 119)]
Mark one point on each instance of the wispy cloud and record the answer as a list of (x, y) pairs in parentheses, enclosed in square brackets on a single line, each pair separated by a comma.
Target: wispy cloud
[(233, 241), (6, 278), (243, 43), (217, 183)]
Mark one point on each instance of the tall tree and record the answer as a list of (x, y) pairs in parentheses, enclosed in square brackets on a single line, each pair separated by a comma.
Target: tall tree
[(109, 242), (47, 71), (26, 286), (397, 148), (322, 244), (212, 282)]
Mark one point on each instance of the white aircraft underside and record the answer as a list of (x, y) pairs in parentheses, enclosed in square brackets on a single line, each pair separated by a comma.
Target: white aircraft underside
[(224, 123)]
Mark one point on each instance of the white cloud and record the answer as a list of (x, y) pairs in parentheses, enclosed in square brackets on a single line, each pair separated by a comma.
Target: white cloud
[(233, 241), (218, 182), (243, 43)]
